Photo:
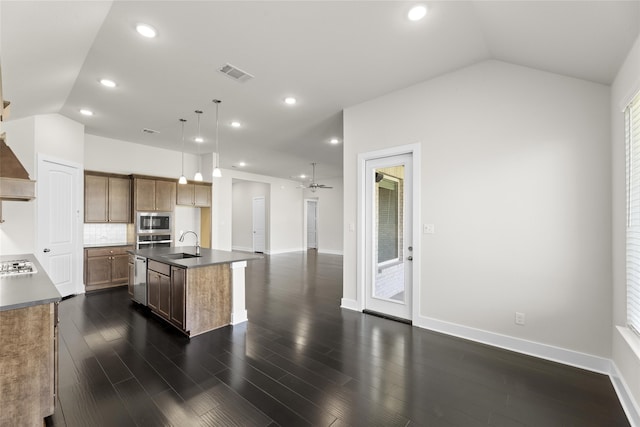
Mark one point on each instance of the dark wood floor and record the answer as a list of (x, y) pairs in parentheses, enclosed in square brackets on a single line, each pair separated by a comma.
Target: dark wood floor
[(301, 360)]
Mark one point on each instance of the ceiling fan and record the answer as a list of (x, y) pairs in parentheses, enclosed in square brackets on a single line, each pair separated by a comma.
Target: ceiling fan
[(313, 185)]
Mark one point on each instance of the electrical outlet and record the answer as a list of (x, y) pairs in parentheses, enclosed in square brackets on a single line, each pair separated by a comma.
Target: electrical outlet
[(519, 318), (429, 229)]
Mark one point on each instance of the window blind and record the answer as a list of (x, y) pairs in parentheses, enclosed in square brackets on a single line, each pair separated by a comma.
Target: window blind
[(632, 138)]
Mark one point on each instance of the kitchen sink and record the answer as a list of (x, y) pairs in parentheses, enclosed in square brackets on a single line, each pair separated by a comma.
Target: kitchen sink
[(181, 255)]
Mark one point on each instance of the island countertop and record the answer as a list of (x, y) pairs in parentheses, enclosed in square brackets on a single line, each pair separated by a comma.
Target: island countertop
[(26, 290), (207, 256)]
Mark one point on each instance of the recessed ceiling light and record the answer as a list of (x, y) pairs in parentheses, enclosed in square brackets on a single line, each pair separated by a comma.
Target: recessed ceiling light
[(417, 12), (334, 141), (235, 124), (290, 100), (303, 176), (107, 83), (198, 139), (146, 30), (86, 112), (242, 164)]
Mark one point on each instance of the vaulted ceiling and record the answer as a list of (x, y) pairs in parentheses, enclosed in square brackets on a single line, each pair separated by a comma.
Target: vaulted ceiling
[(328, 54)]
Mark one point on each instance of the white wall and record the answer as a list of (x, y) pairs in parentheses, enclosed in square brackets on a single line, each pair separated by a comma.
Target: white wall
[(117, 156), (243, 194), (626, 346), (330, 211), (52, 135), (516, 178)]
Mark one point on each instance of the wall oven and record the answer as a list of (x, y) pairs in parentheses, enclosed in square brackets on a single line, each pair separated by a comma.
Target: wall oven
[(154, 222), (148, 241)]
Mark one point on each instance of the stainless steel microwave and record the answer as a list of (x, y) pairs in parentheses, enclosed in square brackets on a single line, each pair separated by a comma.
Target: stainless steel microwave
[(154, 222)]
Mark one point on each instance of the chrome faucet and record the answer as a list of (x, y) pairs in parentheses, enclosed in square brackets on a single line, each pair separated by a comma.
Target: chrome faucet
[(181, 239)]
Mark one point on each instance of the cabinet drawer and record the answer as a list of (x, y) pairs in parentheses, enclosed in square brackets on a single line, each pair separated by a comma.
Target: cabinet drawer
[(159, 267), (107, 251)]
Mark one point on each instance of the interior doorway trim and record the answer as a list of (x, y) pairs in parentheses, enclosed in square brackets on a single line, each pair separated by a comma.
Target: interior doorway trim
[(414, 151)]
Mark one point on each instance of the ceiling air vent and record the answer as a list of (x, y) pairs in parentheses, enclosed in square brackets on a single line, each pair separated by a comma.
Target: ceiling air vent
[(147, 130), (235, 73)]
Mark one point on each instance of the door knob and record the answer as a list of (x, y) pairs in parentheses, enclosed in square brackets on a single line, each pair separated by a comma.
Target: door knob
[(46, 250), (410, 258)]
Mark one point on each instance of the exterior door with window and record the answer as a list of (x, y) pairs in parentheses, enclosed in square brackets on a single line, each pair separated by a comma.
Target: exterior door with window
[(389, 246)]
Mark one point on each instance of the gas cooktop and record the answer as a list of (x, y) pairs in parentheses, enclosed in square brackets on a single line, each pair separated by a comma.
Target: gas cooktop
[(17, 267)]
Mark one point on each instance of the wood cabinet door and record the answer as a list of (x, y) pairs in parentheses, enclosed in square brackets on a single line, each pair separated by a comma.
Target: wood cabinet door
[(119, 200), (120, 268), (98, 271), (164, 303), (96, 189), (165, 196), (178, 286), (145, 194), (153, 289), (202, 195), (184, 194)]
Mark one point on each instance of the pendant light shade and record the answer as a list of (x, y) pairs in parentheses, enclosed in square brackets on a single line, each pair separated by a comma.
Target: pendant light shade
[(198, 175), (183, 179), (217, 173)]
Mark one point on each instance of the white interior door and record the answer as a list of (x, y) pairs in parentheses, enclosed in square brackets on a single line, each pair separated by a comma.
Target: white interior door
[(389, 235), (58, 202), (259, 232), (312, 224)]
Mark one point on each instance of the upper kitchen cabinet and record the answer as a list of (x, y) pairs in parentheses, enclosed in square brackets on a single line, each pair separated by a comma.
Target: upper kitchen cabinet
[(192, 194), (107, 198), (154, 194)]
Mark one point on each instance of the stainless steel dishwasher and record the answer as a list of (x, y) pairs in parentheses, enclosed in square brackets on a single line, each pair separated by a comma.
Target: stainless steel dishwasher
[(140, 283)]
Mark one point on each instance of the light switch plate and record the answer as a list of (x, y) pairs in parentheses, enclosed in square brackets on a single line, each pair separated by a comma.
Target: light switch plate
[(429, 229)]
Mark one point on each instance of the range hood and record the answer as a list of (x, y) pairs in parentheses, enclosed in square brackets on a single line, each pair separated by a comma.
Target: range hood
[(14, 179)]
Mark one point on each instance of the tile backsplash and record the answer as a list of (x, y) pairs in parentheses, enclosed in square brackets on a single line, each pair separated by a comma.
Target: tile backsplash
[(95, 234)]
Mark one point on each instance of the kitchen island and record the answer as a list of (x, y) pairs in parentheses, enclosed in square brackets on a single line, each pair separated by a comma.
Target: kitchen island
[(196, 290), (28, 352)]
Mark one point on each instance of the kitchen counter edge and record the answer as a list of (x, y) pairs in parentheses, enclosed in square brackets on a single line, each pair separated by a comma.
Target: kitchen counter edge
[(28, 289), (207, 257)]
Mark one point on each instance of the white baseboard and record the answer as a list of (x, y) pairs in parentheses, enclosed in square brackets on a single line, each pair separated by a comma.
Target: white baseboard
[(242, 248), (531, 348), (625, 396), (350, 304), (542, 351), (330, 252), (284, 251)]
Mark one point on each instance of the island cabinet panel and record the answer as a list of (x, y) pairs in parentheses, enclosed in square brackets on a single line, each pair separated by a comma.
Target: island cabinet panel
[(208, 301), (107, 198), (106, 267), (28, 365), (178, 288)]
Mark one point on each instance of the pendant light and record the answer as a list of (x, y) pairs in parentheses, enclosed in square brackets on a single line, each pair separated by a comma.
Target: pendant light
[(198, 175), (183, 179), (216, 171)]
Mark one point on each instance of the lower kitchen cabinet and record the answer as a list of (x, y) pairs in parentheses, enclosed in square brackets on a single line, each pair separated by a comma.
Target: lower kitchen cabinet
[(106, 267), (166, 290)]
